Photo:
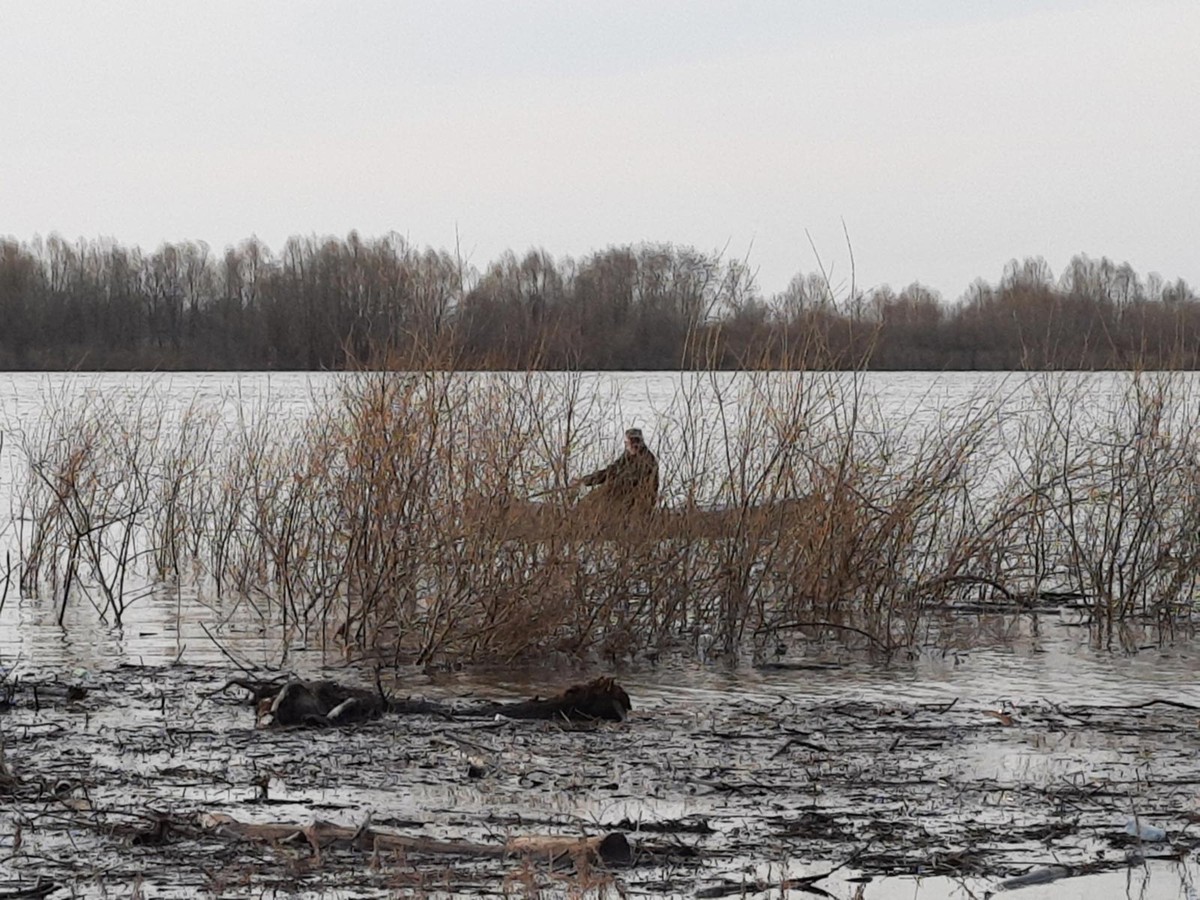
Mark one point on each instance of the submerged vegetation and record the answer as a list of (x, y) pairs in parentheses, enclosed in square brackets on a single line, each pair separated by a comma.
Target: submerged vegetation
[(395, 518), (323, 303)]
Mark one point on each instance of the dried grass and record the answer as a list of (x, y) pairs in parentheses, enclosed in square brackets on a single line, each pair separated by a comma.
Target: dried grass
[(395, 518)]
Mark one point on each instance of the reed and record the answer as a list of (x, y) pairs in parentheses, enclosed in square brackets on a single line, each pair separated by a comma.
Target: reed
[(395, 518)]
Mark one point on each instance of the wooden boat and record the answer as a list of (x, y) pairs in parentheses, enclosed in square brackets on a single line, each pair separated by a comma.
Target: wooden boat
[(530, 520)]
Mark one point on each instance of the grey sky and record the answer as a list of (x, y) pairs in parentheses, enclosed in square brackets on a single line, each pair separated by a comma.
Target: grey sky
[(950, 135)]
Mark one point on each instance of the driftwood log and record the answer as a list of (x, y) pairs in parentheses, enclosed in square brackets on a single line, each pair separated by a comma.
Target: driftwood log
[(610, 849), (319, 703), (600, 698), (298, 703)]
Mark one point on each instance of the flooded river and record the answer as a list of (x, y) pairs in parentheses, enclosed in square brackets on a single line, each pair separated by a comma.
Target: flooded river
[(1015, 757)]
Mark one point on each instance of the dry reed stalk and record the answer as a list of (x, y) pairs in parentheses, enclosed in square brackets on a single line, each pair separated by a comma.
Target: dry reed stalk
[(396, 515)]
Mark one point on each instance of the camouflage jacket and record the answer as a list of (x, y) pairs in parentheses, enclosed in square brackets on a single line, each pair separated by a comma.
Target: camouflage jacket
[(631, 477)]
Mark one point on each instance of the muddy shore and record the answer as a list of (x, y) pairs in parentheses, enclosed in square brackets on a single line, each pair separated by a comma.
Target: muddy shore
[(111, 782)]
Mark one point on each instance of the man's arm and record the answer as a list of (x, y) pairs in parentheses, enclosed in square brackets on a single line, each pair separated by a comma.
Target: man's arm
[(601, 475)]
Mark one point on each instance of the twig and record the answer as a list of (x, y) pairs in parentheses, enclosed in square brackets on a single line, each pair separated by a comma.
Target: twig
[(224, 652), (790, 626), (1177, 704)]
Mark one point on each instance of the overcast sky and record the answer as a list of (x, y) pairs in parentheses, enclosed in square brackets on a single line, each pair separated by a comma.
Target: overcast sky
[(948, 135)]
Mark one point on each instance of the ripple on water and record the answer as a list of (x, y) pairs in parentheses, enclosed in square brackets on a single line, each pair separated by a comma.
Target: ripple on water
[(1059, 665)]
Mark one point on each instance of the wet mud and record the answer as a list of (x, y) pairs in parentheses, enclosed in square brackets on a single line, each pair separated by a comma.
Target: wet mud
[(156, 781)]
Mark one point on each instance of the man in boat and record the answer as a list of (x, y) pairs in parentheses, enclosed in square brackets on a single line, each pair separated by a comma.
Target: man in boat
[(627, 485)]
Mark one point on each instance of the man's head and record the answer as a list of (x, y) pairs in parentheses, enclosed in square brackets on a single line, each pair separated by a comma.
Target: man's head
[(634, 443)]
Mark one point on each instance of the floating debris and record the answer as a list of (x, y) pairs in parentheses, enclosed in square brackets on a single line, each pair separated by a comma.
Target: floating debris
[(154, 775), (296, 702)]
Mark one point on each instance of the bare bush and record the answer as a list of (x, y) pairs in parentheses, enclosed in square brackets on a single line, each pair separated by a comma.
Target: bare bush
[(427, 516), (88, 500), (1108, 498)]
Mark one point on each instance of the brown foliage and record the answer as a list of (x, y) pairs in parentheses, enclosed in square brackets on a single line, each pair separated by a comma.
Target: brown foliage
[(396, 519)]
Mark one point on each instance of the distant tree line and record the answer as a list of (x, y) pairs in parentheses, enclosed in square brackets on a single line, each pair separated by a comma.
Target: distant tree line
[(332, 303)]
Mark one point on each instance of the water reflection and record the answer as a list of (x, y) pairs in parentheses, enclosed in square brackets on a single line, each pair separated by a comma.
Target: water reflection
[(1057, 664)]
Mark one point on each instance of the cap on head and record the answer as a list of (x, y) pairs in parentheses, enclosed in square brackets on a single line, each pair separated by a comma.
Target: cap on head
[(634, 434)]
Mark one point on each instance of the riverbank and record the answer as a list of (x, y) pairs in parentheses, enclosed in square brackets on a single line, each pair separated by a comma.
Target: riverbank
[(117, 775)]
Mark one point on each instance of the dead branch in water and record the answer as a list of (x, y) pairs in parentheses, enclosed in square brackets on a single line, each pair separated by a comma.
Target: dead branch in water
[(601, 698), (610, 849), (296, 702)]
